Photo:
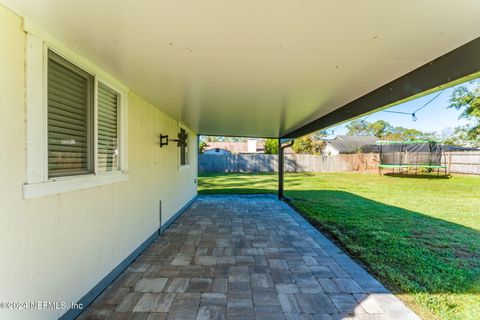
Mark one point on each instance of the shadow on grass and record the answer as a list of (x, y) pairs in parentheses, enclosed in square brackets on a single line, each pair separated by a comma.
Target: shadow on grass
[(432, 176), (437, 260)]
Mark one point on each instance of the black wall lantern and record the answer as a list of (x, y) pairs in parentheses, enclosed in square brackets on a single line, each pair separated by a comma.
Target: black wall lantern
[(181, 141)]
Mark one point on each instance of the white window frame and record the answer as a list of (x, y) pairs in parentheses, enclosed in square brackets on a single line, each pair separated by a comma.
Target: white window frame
[(121, 122), (187, 156), (37, 183)]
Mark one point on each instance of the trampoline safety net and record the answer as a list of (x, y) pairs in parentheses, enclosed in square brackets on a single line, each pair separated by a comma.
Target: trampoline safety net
[(410, 153)]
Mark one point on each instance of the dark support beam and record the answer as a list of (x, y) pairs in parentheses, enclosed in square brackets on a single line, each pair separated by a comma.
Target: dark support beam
[(281, 169), (455, 65)]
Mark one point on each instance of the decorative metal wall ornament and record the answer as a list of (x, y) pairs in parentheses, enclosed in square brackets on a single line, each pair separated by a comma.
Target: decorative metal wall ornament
[(181, 141)]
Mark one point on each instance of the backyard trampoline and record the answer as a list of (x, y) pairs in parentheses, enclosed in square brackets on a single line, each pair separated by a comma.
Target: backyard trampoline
[(407, 156)]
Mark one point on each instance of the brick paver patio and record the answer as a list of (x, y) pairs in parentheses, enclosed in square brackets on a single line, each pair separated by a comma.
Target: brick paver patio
[(245, 257)]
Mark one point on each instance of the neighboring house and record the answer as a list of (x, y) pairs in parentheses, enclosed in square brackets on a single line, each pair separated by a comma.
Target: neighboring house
[(249, 146), (217, 151), (347, 144), (288, 150)]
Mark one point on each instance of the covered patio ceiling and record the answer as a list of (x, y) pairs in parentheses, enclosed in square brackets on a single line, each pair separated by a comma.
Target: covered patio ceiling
[(266, 68)]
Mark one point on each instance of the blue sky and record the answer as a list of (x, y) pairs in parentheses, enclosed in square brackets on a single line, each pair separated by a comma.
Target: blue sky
[(436, 116)]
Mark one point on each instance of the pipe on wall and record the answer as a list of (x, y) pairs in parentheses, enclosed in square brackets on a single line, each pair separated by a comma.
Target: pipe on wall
[(281, 169)]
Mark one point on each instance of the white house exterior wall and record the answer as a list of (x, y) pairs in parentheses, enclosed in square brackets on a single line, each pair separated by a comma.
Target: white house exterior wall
[(328, 150), (56, 248)]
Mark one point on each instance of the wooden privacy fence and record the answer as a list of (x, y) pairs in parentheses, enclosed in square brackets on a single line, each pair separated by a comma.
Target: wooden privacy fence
[(467, 162), (293, 163), (456, 162)]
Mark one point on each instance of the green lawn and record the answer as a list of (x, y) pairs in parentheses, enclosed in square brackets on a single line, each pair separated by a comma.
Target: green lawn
[(420, 237)]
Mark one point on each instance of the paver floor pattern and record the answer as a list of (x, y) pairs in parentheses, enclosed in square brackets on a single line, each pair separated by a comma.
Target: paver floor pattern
[(245, 257)]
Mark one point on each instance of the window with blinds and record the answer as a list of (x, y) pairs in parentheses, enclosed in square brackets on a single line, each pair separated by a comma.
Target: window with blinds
[(70, 118), (107, 129)]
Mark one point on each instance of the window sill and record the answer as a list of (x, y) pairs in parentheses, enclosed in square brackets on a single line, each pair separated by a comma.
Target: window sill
[(68, 184)]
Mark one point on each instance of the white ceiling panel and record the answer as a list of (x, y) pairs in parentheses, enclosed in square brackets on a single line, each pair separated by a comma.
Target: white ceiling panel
[(255, 68)]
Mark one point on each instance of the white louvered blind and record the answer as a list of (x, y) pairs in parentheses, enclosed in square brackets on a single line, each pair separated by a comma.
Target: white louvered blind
[(69, 118), (107, 129)]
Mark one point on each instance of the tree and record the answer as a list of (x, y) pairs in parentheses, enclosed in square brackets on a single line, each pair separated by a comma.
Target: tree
[(202, 146), (384, 130), (460, 137), (310, 144), (407, 134), (234, 139), (211, 138), (319, 135), (271, 146), (357, 128), (468, 100), (379, 128), (303, 145)]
